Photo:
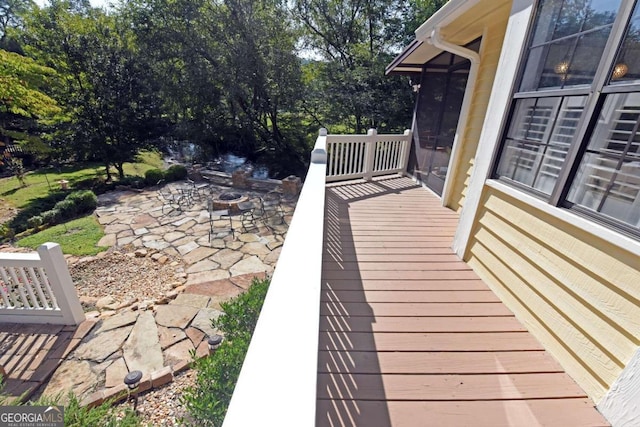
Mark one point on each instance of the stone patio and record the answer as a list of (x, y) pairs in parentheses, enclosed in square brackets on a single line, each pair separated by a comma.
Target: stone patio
[(156, 337)]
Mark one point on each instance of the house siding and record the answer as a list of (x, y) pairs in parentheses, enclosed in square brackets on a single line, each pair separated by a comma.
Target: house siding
[(493, 31), (577, 293)]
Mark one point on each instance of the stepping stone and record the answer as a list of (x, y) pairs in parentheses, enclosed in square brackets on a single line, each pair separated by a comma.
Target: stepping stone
[(206, 276), (115, 373), (248, 237), (150, 237), (126, 240), (107, 240), (142, 349), (234, 245), (226, 258), (144, 220), (156, 244), (198, 254), (178, 352), (175, 316), (195, 335), (185, 249), (222, 289), (140, 231), (98, 347), (182, 221), (202, 320), (170, 336), (186, 225), (191, 300), (72, 375), (244, 281), (125, 233), (272, 258), (116, 228), (205, 265), (249, 265), (255, 248), (123, 319), (173, 235)]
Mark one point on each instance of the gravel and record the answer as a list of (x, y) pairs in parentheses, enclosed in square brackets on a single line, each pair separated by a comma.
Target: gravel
[(123, 276)]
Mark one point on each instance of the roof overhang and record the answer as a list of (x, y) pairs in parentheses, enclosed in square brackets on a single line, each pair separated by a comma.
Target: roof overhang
[(420, 50)]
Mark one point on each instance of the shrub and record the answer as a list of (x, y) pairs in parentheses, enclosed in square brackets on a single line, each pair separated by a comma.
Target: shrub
[(152, 176), (67, 208), (35, 221), (51, 217), (208, 400), (176, 173), (85, 201), (36, 207)]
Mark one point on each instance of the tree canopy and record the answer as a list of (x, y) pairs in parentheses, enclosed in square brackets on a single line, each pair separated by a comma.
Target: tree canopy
[(255, 77)]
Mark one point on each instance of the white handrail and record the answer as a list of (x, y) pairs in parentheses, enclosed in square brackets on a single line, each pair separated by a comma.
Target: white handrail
[(37, 288), (277, 383), (366, 156)]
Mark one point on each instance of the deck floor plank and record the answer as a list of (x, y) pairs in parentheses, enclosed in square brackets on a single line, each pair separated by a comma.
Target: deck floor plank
[(410, 336)]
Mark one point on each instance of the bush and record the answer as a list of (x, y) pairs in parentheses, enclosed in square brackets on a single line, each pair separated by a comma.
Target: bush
[(176, 173), (35, 221), (36, 207), (51, 217), (67, 208), (208, 400), (85, 200), (152, 176)]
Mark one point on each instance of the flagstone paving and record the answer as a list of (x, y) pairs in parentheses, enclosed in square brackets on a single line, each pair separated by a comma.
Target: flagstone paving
[(156, 336)]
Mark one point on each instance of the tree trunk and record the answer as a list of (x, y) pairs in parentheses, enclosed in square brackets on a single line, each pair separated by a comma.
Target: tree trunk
[(120, 167), (106, 166)]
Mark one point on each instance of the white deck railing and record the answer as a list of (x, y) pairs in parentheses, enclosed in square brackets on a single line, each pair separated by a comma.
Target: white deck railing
[(37, 288), (365, 156), (277, 383)]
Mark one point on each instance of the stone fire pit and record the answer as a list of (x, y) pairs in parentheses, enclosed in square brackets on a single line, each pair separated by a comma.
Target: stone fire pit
[(228, 200)]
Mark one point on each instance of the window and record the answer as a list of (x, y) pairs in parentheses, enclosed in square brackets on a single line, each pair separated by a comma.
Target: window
[(573, 136)]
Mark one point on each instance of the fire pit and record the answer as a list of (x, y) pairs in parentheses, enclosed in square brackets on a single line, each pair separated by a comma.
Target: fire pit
[(228, 200)]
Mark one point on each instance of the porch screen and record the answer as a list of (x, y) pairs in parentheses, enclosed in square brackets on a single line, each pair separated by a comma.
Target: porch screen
[(442, 88)]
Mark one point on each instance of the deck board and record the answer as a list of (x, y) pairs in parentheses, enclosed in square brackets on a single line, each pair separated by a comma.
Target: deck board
[(409, 335)]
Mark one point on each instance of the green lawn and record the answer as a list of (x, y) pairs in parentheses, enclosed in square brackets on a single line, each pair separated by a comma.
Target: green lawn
[(77, 237), (41, 182)]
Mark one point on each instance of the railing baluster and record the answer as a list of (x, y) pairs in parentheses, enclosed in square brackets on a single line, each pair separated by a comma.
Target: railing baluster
[(27, 286), (23, 296), (7, 281), (38, 286), (352, 157), (47, 287)]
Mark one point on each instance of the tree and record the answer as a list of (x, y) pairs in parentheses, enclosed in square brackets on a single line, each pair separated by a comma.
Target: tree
[(24, 107), (112, 102)]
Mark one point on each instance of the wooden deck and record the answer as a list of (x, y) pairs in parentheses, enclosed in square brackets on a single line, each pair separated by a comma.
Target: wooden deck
[(410, 336)]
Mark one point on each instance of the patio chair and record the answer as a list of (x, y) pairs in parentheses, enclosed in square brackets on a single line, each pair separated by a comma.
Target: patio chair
[(247, 212), (271, 207), (196, 189), (170, 200), (218, 220)]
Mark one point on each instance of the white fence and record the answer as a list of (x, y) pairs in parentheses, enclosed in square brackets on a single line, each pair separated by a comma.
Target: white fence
[(37, 288), (365, 156)]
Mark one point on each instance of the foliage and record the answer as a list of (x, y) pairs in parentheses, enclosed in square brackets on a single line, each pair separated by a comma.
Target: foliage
[(84, 201), (208, 400), (175, 173), (17, 169), (241, 313), (153, 176), (77, 237)]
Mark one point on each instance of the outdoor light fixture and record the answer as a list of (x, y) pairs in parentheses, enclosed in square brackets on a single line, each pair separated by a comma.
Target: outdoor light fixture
[(131, 380), (619, 70), (214, 342)]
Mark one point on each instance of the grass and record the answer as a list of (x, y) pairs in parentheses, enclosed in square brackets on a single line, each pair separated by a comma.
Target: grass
[(43, 181), (77, 237)]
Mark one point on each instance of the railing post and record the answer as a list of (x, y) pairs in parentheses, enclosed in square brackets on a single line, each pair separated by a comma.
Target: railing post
[(406, 147), (319, 153), (369, 154), (55, 266)]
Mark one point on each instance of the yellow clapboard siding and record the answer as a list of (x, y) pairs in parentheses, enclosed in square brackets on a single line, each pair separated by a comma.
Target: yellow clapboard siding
[(522, 301), (578, 295), (603, 299), (493, 28)]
